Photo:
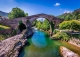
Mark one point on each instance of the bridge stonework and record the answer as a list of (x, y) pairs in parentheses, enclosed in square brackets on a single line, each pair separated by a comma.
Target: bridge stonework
[(13, 23)]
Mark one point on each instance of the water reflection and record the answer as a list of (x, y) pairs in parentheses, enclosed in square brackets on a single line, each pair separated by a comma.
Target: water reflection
[(38, 39)]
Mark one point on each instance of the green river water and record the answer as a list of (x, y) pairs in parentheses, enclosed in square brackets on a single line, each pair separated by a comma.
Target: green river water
[(40, 45)]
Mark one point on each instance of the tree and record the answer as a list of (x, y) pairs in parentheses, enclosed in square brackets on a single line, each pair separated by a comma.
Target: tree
[(71, 25), (45, 25), (38, 24), (52, 26), (42, 25), (69, 16), (26, 14), (16, 12)]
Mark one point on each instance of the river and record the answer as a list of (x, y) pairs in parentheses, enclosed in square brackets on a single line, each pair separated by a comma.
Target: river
[(40, 45)]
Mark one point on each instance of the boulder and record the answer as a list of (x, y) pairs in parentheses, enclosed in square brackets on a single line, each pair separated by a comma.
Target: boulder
[(67, 53)]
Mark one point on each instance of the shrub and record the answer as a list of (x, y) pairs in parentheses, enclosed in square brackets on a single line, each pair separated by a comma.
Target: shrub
[(71, 25), (61, 35), (55, 31), (2, 37), (14, 32)]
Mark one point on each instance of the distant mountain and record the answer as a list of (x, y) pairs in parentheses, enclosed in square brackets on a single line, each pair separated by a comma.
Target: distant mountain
[(3, 14)]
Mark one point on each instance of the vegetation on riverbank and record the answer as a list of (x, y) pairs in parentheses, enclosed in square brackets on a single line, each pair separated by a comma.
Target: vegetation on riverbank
[(65, 30), (4, 36), (73, 25), (4, 27), (42, 25)]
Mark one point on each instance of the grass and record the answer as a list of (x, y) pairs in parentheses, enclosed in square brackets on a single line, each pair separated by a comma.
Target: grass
[(3, 27), (2, 37)]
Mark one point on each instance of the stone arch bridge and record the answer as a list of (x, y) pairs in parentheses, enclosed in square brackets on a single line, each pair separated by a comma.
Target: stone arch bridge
[(14, 23)]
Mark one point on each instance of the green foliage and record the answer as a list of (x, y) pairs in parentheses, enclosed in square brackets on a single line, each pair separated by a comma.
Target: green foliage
[(42, 25), (76, 13), (75, 36), (20, 22), (61, 35), (45, 25), (1, 28), (16, 12), (52, 26), (4, 27), (4, 36), (14, 32), (34, 23), (38, 24), (71, 16), (66, 16), (26, 14), (1, 37), (55, 31), (71, 25)]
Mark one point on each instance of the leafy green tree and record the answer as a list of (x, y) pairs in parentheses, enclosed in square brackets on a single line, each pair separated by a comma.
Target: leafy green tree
[(46, 25), (52, 26), (61, 35), (42, 25), (16, 12), (38, 24), (77, 13)]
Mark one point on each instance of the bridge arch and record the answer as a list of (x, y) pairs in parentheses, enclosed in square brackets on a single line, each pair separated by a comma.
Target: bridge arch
[(50, 18), (13, 23)]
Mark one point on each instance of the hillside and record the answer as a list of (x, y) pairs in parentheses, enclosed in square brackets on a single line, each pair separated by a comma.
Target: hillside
[(69, 16), (4, 14)]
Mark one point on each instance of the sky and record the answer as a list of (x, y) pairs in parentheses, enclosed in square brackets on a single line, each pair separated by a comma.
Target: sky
[(32, 7)]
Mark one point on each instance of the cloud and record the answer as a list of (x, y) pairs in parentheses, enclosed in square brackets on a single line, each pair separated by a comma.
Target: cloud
[(67, 11), (57, 4)]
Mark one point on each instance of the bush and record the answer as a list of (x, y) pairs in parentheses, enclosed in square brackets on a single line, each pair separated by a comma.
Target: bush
[(71, 25), (55, 31), (2, 37), (14, 32), (61, 35), (75, 36)]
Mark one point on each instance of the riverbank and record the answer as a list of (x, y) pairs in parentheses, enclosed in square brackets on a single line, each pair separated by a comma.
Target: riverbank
[(67, 53), (75, 42)]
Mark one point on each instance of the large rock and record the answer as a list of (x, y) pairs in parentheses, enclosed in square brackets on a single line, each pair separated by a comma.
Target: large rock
[(11, 46), (67, 53)]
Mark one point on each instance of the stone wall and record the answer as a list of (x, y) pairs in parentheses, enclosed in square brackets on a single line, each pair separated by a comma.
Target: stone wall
[(6, 31)]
